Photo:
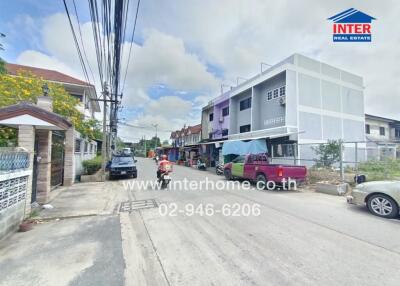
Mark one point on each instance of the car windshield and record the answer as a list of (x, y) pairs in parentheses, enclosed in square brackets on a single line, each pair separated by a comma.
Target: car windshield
[(122, 160), (239, 159)]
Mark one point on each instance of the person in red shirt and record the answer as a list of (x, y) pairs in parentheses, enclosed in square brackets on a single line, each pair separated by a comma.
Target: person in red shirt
[(164, 166)]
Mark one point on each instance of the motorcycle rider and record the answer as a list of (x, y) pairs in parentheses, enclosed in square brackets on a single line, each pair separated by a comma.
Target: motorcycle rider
[(163, 166)]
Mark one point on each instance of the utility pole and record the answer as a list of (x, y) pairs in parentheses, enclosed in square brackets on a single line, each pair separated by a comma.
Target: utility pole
[(145, 150), (155, 143), (104, 144)]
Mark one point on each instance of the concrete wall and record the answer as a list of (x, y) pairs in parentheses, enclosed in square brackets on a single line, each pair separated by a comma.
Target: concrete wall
[(206, 125), (268, 113), (220, 122), (13, 190), (81, 156), (239, 117)]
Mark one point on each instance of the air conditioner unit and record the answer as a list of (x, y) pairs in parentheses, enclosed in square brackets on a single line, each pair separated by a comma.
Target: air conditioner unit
[(282, 100), (221, 119)]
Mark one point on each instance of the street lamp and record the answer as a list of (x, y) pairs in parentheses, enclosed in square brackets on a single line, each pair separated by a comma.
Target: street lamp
[(45, 89)]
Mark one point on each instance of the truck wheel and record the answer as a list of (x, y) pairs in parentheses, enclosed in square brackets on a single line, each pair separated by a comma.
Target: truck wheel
[(228, 174), (261, 181), (383, 206)]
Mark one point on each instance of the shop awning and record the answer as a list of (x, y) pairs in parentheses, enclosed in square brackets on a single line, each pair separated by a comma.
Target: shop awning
[(242, 148)]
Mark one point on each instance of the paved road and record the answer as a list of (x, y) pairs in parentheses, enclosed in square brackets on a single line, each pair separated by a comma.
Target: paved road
[(297, 239)]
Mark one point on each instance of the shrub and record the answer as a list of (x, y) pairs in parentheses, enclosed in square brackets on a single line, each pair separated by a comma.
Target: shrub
[(92, 166)]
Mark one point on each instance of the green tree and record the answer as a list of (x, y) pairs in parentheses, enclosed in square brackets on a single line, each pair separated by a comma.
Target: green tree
[(329, 153), (2, 66), (27, 87)]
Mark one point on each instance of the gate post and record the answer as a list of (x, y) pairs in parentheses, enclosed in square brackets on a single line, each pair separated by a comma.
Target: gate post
[(44, 165), (26, 139), (69, 159)]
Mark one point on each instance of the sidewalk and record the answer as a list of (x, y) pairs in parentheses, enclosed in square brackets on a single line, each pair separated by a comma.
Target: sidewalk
[(85, 199), (78, 242)]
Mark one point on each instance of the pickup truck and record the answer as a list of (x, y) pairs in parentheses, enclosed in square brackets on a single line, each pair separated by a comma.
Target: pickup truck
[(256, 167)]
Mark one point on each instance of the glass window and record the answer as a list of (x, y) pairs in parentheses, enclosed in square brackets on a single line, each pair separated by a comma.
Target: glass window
[(245, 128), (77, 145), (276, 93), (382, 131), (211, 116), (282, 91), (86, 147), (245, 104), (225, 111), (397, 132), (224, 132), (126, 160), (367, 129), (239, 159), (269, 95)]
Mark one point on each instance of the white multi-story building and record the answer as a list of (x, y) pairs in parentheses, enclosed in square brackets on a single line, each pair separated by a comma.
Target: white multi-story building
[(299, 100)]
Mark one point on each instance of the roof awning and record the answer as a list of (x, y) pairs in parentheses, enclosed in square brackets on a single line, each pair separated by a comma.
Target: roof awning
[(29, 114), (242, 148)]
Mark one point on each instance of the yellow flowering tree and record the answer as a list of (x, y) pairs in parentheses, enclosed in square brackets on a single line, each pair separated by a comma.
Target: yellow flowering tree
[(27, 87)]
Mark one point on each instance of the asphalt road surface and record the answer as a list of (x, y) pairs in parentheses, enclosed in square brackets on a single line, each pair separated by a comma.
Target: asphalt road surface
[(297, 239)]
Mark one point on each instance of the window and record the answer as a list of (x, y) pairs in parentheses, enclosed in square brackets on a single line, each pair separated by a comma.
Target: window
[(397, 133), (239, 159), (123, 160), (276, 93), (367, 129), (245, 128), (224, 132), (269, 95), (86, 147), (225, 111), (211, 117), (283, 150), (382, 131), (282, 91), (77, 96), (77, 146), (209, 135), (245, 104)]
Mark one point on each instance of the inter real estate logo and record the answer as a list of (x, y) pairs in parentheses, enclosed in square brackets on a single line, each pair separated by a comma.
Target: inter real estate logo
[(352, 26)]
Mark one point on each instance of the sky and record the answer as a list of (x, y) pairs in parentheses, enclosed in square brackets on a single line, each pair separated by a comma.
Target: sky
[(184, 50)]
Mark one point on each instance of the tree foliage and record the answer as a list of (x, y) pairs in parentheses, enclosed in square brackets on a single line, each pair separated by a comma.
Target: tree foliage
[(329, 153), (2, 66), (27, 87)]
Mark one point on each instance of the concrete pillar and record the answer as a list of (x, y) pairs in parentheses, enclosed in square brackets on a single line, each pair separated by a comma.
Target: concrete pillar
[(44, 165), (69, 157), (45, 102), (26, 139)]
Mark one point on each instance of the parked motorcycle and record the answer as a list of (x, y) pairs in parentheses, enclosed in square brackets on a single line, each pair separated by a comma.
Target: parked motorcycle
[(219, 169), (201, 166), (164, 180)]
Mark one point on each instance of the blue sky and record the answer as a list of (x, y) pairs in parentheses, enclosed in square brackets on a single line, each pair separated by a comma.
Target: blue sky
[(183, 52)]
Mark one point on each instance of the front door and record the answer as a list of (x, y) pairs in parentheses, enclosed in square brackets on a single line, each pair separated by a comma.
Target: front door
[(238, 166), (35, 171), (57, 158)]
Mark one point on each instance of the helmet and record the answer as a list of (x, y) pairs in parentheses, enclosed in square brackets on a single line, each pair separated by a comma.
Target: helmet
[(164, 157)]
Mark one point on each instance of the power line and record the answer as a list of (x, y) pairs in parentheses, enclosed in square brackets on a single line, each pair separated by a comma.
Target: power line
[(77, 44), (83, 46), (131, 43)]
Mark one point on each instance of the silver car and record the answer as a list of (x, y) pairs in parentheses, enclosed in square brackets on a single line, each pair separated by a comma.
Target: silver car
[(381, 197)]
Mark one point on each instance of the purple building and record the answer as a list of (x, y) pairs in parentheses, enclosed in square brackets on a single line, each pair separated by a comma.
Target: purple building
[(220, 122)]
